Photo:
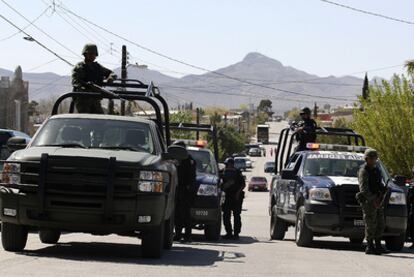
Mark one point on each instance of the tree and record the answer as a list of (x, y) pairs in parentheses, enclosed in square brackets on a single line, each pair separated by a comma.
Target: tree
[(387, 123), (327, 107), (265, 106), (365, 88), (183, 116)]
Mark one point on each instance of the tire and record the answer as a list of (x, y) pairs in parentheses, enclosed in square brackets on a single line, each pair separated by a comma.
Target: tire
[(278, 226), (212, 232), (153, 242), (358, 241), (395, 243), (13, 237), (169, 233), (303, 235), (49, 236)]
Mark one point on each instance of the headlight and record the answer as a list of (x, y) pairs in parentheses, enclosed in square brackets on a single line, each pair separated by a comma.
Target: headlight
[(320, 194), (397, 198), (151, 181), (11, 173), (207, 190)]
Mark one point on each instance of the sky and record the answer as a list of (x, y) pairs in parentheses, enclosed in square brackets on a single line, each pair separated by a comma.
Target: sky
[(310, 35)]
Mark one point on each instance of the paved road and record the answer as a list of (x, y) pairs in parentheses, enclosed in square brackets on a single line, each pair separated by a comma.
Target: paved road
[(253, 255)]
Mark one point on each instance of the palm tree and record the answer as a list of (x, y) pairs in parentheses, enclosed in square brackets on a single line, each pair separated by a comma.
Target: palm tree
[(409, 65)]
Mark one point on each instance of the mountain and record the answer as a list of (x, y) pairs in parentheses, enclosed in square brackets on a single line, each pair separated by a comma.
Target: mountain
[(254, 78)]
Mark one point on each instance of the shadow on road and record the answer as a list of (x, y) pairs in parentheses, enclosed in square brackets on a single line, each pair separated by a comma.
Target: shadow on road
[(180, 255)]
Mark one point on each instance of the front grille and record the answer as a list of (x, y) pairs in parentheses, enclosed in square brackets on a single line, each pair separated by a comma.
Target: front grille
[(80, 176), (344, 197)]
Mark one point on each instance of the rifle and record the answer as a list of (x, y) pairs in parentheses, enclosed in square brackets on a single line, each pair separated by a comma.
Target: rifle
[(103, 91)]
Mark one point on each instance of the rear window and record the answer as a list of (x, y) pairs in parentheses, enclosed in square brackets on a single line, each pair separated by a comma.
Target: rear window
[(258, 179)]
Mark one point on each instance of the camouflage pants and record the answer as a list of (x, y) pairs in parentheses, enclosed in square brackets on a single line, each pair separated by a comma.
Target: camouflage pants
[(374, 221), (88, 105)]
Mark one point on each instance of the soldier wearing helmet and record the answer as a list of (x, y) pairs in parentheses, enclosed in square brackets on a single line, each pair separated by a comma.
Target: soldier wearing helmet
[(305, 133), (89, 71), (370, 196), (233, 185)]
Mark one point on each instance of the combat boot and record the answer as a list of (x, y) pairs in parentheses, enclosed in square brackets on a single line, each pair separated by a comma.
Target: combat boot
[(370, 250), (379, 249)]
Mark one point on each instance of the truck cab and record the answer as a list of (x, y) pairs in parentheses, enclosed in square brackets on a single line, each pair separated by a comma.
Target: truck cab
[(315, 191)]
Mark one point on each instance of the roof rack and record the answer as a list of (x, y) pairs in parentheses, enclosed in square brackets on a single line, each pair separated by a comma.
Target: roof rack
[(287, 138), (129, 90)]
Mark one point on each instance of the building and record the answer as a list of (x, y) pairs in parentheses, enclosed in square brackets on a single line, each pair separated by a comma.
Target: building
[(14, 102)]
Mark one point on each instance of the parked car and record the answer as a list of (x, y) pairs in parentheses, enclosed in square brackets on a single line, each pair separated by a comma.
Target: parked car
[(240, 163), (255, 152), (269, 167), (257, 183)]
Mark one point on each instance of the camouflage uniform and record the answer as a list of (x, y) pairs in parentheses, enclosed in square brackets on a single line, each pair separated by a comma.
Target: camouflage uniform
[(88, 72), (370, 196), (370, 186)]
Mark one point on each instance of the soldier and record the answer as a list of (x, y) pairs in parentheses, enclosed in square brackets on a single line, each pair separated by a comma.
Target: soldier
[(371, 198), (233, 185), (184, 197), (89, 71), (305, 133)]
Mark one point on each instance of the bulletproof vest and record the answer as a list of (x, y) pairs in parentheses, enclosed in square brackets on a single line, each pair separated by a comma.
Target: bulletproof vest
[(374, 179), (231, 180), (93, 73)]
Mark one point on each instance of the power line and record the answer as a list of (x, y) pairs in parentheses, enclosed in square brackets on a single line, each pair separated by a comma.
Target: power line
[(39, 29), (35, 40), (369, 12), (192, 65), (27, 26)]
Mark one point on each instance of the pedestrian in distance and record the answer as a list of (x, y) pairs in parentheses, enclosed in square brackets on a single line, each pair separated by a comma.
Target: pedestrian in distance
[(86, 72), (233, 185), (371, 196), (271, 152), (184, 197), (305, 129)]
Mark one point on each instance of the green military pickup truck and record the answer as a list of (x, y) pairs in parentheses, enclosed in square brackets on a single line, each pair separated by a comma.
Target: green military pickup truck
[(98, 174)]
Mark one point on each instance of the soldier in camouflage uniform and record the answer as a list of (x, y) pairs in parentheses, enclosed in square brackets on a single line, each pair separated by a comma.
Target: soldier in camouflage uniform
[(371, 197), (89, 71)]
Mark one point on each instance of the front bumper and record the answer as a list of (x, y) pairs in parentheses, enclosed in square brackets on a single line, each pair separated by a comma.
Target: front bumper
[(83, 214), (206, 209), (328, 220)]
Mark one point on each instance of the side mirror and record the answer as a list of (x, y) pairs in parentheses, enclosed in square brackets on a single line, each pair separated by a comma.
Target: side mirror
[(16, 143), (400, 180), (221, 167), (175, 152), (288, 174)]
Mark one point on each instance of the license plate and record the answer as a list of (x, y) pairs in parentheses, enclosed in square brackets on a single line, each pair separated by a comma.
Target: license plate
[(201, 213), (359, 223)]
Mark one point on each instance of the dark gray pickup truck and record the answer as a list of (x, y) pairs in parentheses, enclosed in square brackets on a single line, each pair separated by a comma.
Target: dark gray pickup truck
[(98, 174)]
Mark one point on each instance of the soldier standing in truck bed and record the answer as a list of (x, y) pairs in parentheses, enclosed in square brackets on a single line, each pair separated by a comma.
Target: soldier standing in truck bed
[(89, 71)]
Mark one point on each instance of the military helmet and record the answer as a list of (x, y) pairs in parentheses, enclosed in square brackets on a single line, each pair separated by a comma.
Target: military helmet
[(305, 110), (370, 153), (229, 161), (90, 48)]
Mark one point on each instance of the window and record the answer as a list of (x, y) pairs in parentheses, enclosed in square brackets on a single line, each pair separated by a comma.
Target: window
[(96, 133)]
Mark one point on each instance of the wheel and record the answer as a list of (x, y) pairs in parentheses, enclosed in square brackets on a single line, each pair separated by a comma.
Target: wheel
[(395, 243), (13, 237), (153, 242), (49, 236), (212, 232), (356, 240), (169, 233), (278, 226), (303, 235)]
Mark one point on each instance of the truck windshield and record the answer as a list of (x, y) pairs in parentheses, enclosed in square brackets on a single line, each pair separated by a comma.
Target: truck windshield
[(337, 165), (96, 133), (204, 161)]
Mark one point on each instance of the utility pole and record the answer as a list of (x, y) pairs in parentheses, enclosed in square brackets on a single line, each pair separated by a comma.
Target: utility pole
[(198, 122), (123, 74)]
